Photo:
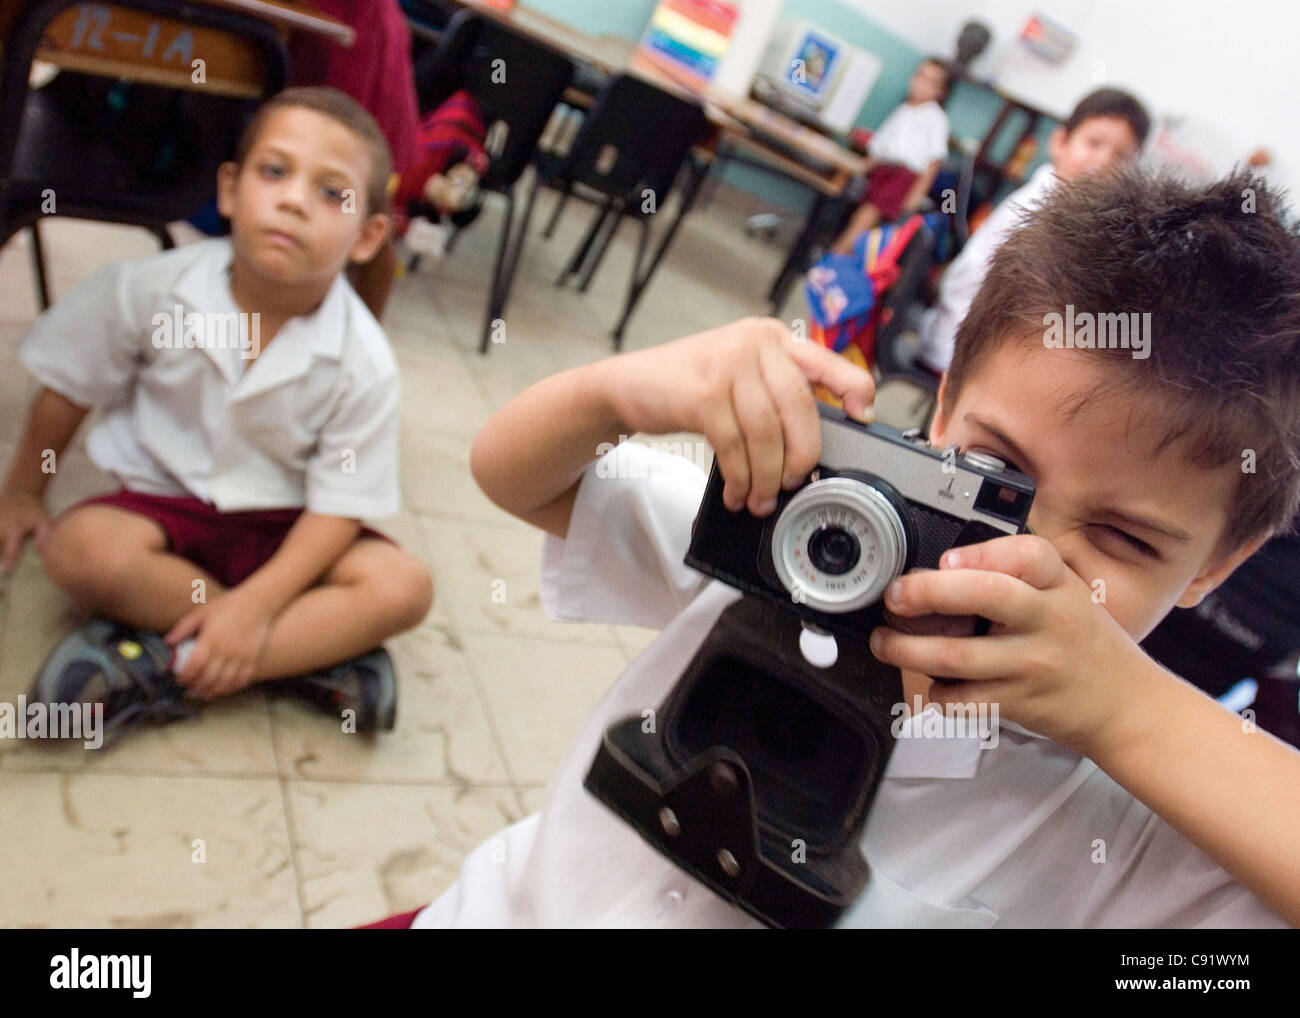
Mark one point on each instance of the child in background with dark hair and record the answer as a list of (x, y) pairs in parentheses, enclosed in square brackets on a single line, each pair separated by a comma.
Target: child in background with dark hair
[(249, 442), (1108, 127), (904, 153), (1116, 795)]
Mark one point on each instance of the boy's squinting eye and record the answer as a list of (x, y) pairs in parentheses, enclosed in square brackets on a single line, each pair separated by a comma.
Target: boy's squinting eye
[(1109, 534), (273, 171)]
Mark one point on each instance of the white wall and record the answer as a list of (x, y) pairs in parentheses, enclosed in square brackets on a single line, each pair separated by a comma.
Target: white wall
[(1231, 68)]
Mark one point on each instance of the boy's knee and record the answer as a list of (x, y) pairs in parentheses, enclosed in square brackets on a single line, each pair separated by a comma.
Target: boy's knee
[(77, 553), (88, 551), (407, 591)]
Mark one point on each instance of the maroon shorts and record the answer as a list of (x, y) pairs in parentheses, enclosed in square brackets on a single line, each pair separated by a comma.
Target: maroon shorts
[(887, 186), (401, 921), (229, 546)]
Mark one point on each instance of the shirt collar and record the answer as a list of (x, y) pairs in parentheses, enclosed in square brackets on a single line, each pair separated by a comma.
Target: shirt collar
[(205, 286)]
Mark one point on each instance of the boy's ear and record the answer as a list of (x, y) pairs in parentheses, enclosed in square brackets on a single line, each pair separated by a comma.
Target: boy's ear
[(1056, 143), (227, 174), (939, 420), (373, 234), (1209, 578)]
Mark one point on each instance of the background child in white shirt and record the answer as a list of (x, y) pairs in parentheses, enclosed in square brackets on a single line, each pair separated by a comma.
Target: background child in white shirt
[(904, 153), (1106, 128), (1139, 486), (246, 465)]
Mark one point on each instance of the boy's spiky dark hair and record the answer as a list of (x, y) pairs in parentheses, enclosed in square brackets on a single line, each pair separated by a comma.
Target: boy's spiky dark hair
[(1219, 271)]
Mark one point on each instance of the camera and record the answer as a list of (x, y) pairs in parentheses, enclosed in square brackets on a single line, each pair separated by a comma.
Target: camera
[(880, 503), (759, 774)]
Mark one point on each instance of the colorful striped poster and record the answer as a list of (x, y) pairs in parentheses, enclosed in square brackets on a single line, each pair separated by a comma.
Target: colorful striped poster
[(686, 39)]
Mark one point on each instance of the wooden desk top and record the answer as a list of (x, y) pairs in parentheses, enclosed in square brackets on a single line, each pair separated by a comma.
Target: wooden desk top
[(285, 14), (743, 120), (122, 42)]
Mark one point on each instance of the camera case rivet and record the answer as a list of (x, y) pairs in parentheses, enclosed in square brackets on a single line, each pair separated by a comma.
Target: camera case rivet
[(668, 820), (728, 863), (722, 777)]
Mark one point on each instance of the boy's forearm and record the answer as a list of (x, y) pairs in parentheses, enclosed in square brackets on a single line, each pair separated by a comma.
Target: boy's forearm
[(530, 456), (314, 543), (1234, 792), (51, 422)]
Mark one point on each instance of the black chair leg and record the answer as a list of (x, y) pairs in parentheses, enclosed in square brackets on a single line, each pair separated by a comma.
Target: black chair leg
[(498, 272), (825, 211), (580, 255), (640, 280), (508, 254), (560, 202), (714, 175), (38, 267), (598, 256)]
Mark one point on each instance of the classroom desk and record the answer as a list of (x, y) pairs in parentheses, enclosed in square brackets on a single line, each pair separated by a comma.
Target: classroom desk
[(813, 159), (810, 157), (119, 42)]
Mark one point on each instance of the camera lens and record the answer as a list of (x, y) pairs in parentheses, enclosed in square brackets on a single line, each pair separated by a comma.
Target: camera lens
[(834, 550), (838, 543)]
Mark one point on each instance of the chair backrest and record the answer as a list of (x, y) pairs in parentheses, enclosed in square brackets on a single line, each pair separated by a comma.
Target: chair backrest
[(121, 150), (517, 82), (635, 136)]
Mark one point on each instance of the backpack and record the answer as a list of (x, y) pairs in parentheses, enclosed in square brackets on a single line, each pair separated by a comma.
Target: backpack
[(843, 290)]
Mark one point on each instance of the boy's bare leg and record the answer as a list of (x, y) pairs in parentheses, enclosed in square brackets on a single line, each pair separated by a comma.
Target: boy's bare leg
[(374, 591), (866, 217), (115, 563)]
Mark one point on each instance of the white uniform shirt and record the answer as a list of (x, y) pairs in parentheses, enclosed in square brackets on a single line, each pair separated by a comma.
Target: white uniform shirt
[(959, 836), (312, 422), (912, 136), (961, 280)]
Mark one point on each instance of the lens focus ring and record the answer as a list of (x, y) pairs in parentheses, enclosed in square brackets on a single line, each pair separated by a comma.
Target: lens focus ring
[(838, 544)]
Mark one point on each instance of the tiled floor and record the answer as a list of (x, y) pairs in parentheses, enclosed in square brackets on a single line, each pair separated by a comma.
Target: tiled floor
[(261, 813)]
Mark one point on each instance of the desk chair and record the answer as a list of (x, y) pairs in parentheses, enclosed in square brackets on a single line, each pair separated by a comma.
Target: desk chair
[(518, 107), (118, 152), (636, 139)]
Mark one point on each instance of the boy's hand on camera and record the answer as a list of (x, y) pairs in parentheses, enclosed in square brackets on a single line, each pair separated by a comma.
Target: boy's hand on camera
[(232, 630), (20, 514), (747, 387), (1052, 660)]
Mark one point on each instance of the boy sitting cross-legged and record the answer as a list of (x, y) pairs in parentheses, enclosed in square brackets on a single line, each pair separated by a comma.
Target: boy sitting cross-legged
[(1116, 794), (249, 409)]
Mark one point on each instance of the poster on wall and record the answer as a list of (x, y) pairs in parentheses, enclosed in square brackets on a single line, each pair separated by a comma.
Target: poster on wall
[(687, 39)]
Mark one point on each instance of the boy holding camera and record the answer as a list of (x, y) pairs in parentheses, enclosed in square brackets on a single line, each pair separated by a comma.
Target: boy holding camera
[(1117, 794)]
